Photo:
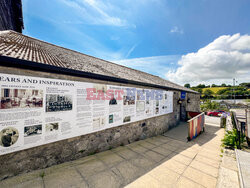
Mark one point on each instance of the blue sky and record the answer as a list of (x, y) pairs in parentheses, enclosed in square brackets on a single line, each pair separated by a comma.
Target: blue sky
[(161, 37)]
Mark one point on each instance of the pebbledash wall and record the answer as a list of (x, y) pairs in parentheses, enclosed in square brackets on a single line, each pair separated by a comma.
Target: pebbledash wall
[(74, 148)]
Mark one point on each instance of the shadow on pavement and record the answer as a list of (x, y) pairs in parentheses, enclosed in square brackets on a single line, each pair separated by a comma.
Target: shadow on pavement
[(131, 163)]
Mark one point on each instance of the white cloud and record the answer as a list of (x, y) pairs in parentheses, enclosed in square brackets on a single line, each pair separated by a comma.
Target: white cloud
[(175, 29), (225, 58), (131, 50), (96, 12), (157, 65)]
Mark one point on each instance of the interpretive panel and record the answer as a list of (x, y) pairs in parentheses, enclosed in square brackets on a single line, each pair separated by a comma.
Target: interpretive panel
[(36, 111)]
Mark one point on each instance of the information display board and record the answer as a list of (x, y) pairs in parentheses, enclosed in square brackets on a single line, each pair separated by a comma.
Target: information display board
[(36, 111)]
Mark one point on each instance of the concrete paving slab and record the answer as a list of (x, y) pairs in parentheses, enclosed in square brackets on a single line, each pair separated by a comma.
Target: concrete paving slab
[(178, 133), (57, 168), (151, 155), (182, 159), (163, 139), (36, 182), (243, 160), (104, 179), (208, 169), (227, 178), (64, 178), (193, 148), (177, 143), (210, 150), (215, 157), (200, 177), (83, 160), (146, 181), (162, 151), (110, 158), (128, 172), (147, 145), (189, 153), (229, 162), (207, 161), (126, 153), (137, 148), (91, 167), (185, 182), (143, 162), (21, 179), (169, 147), (154, 141), (174, 166), (164, 176)]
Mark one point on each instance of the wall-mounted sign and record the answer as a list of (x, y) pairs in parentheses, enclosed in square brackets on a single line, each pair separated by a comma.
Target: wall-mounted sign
[(36, 111), (183, 95)]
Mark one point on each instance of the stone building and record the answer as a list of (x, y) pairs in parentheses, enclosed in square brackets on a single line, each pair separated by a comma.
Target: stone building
[(11, 16), (23, 55)]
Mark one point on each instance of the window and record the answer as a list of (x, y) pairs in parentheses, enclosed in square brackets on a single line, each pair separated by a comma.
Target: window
[(6, 92)]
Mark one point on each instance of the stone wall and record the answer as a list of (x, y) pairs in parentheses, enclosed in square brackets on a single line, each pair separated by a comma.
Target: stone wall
[(194, 102), (74, 148), (190, 104)]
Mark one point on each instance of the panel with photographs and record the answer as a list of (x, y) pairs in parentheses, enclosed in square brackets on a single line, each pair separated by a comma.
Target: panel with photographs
[(55, 103), (21, 98)]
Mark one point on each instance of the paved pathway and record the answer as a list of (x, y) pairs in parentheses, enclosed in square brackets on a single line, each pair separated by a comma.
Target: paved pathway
[(155, 162), (243, 162), (228, 173)]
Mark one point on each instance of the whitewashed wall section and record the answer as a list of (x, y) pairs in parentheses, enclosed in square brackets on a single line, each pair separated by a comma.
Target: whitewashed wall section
[(36, 111)]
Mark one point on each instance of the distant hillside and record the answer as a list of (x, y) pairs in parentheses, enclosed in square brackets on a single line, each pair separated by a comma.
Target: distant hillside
[(214, 89), (226, 92)]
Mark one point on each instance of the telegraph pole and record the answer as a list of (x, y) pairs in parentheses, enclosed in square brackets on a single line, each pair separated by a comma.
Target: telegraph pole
[(233, 89)]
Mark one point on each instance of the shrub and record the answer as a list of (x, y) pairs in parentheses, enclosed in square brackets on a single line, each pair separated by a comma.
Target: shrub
[(231, 139)]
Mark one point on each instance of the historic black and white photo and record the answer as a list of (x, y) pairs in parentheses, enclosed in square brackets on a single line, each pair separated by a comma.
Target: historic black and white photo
[(32, 130), (100, 87), (113, 100), (140, 106), (51, 127), (128, 100), (126, 119), (8, 136), (56, 103), (21, 98)]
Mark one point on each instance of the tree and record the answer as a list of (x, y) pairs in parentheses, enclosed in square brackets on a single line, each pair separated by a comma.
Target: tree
[(201, 86), (187, 85), (208, 93), (245, 85), (208, 105), (223, 85), (214, 85), (199, 90)]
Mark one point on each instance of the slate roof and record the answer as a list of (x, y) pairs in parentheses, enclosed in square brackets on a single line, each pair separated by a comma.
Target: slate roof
[(17, 45)]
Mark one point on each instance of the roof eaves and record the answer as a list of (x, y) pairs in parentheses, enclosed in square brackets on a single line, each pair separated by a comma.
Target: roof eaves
[(24, 64)]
